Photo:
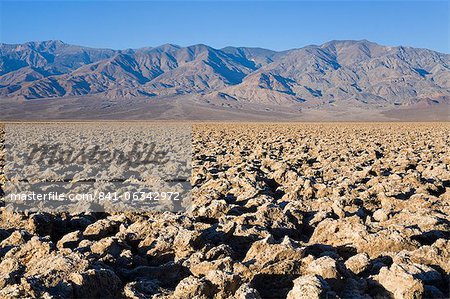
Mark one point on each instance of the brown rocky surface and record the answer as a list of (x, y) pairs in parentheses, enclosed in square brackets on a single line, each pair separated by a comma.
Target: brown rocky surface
[(339, 210)]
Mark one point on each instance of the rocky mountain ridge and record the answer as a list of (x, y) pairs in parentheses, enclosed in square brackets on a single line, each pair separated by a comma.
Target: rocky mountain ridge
[(358, 73)]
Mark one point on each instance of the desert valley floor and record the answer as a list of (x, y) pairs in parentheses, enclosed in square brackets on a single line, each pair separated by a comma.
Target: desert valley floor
[(279, 210)]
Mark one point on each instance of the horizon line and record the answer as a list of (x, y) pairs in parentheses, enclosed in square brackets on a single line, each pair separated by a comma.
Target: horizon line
[(218, 48)]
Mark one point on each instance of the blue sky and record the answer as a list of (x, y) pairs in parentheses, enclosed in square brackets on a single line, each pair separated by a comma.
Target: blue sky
[(267, 24)]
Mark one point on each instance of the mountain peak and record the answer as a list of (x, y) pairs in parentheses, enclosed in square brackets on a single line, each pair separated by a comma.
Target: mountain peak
[(350, 42), (167, 47), (49, 42)]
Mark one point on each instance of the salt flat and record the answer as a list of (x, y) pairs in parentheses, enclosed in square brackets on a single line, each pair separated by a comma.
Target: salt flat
[(278, 210)]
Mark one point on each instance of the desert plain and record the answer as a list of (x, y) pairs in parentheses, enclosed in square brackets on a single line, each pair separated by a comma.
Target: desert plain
[(278, 210)]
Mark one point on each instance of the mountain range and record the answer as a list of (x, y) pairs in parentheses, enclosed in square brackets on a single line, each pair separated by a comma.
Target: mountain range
[(335, 74)]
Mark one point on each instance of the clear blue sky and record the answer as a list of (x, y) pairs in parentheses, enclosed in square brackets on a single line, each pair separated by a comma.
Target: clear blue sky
[(267, 24)]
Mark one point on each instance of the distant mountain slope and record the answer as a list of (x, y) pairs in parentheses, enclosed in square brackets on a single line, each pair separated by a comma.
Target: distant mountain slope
[(51, 57), (335, 73), (354, 71)]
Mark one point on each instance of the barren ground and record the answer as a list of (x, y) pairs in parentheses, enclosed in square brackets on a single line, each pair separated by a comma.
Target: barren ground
[(345, 210), (188, 107)]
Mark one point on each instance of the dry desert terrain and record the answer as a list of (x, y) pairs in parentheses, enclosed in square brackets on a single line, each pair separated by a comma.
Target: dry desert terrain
[(278, 210)]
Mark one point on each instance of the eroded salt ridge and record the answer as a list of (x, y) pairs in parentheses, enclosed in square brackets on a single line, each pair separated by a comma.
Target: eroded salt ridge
[(279, 211)]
